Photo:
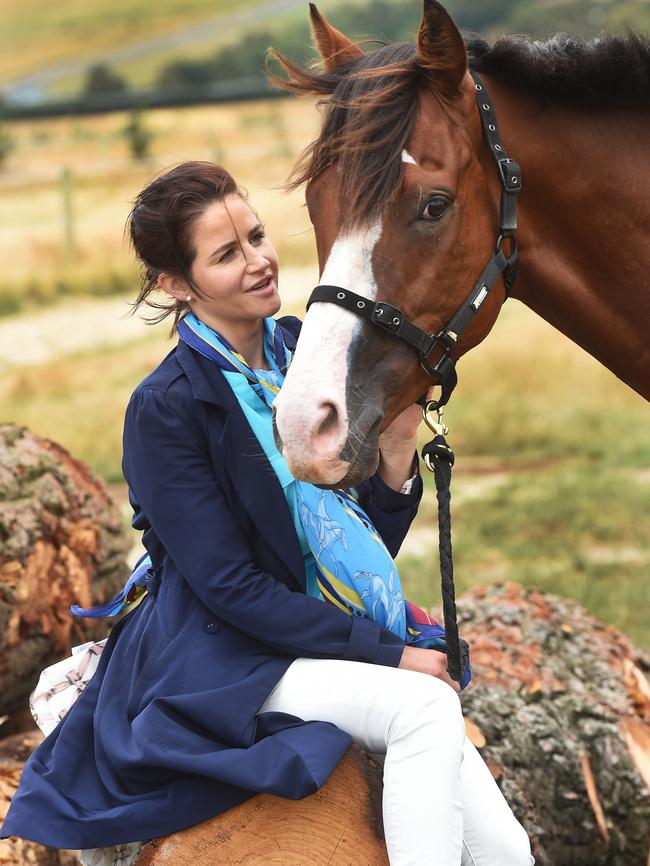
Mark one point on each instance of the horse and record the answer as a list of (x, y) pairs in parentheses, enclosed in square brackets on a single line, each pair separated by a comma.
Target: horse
[(403, 195)]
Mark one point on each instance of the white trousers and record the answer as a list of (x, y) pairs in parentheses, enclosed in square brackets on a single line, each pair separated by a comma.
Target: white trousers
[(441, 805)]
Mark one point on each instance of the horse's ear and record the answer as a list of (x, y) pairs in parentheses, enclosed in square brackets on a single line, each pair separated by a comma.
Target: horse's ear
[(440, 49), (333, 46)]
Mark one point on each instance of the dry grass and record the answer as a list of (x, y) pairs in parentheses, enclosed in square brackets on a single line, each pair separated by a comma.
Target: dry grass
[(257, 141), (528, 393)]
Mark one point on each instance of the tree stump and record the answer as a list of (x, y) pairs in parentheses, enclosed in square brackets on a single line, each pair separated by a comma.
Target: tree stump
[(339, 825), (18, 852), (61, 542), (560, 709)]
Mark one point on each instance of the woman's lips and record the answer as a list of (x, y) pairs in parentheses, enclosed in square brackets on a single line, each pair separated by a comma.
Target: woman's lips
[(266, 288)]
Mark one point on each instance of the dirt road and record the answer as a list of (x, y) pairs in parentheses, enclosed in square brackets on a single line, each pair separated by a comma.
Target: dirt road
[(75, 326)]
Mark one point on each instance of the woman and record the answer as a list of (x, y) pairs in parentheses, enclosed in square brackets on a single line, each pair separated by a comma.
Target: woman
[(232, 675)]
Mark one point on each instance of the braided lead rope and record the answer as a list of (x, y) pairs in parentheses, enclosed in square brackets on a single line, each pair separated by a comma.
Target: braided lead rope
[(441, 459)]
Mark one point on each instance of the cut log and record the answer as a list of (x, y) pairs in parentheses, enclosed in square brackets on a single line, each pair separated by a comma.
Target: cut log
[(61, 542), (562, 702), (18, 852), (339, 825)]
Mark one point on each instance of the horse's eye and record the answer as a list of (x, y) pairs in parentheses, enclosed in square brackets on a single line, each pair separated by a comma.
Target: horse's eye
[(434, 208)]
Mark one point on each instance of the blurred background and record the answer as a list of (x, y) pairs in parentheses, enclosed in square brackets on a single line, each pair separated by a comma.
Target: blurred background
[(552, 480)]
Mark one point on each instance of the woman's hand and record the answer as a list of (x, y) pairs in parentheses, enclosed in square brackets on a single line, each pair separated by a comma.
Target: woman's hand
[(427, 661), (401, 433), (397, 445)]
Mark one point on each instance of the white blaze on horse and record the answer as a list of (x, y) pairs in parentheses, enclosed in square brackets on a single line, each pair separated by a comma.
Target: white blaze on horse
[(319, 389), (406, 205)]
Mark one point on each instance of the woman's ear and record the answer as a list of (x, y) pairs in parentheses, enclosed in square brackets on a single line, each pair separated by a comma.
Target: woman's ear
[(175, 286)]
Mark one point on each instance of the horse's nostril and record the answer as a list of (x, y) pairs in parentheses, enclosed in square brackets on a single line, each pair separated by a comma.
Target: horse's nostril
[(330, 420)]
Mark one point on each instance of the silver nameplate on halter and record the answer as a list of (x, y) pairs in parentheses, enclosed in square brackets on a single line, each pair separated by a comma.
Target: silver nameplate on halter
[(478, 300)]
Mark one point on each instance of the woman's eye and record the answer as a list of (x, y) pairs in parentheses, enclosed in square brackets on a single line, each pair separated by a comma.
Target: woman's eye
[(227, 255), (259, 237), (435, 208)]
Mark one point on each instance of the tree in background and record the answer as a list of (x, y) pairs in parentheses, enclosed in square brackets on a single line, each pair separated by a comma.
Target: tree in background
[(388, 20), (137, 135), (391, 22), (7, 141), (101, 79)]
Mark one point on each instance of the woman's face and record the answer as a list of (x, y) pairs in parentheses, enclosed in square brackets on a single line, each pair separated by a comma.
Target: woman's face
[(235, 266)]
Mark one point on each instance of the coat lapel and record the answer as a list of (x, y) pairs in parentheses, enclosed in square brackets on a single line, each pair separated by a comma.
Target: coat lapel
[(244, 459), (260, 491)]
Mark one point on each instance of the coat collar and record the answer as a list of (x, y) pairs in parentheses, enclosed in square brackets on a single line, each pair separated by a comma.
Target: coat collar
[(206, 381), (200, 372), (256, 483)]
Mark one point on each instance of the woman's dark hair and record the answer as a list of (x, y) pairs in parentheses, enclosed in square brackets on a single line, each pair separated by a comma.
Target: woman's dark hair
[(160, 228)]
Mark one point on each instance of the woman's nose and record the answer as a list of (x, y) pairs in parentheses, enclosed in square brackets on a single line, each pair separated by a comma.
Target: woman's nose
[(255, 259)]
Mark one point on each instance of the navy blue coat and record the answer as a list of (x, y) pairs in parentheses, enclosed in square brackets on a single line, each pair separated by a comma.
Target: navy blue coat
[(166, 734)]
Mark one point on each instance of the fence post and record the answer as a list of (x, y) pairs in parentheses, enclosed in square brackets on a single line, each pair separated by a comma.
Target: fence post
[(69, 248)]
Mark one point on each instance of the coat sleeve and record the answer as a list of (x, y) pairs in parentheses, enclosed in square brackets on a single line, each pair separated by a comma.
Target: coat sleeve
[(391, 512), (170, 475)]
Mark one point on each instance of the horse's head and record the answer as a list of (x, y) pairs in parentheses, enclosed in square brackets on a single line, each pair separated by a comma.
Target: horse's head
[(405, 212)]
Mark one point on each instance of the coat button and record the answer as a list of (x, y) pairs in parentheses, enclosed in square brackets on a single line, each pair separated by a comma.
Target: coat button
[(210, 626)]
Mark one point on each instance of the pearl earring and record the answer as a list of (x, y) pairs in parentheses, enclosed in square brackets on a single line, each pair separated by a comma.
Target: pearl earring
[(188, 298)]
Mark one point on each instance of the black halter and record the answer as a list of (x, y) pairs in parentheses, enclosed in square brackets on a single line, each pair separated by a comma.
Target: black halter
[(392, 320)]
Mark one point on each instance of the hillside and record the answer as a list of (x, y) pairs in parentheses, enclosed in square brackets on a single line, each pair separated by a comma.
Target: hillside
[(46, 49), (37, 35), (52, 57)]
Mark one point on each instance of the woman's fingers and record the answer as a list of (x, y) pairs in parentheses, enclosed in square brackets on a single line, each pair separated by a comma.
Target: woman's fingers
[(445, 676), (428, 661)]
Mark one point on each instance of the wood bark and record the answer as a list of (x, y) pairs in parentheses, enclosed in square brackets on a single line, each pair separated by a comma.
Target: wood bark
[(61, 542), (560, 707)]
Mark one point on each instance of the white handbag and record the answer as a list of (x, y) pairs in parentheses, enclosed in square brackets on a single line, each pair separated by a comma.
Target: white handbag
[(58, 688), (60, 684)]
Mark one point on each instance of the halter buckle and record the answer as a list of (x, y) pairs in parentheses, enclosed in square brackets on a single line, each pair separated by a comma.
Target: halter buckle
[(449, 340), (510, 174), (387, 317)]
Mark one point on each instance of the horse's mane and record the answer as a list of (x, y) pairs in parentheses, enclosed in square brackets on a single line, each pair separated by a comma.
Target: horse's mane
[(368, 117), (600, 73), (370, 102)]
